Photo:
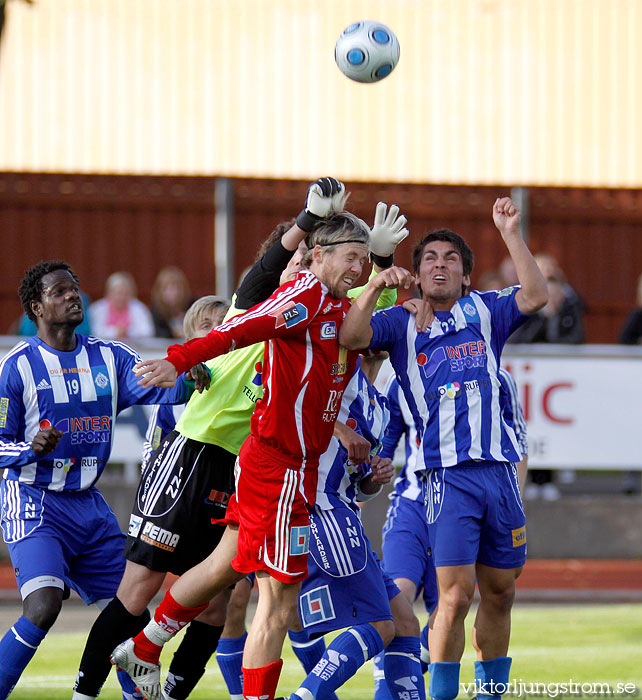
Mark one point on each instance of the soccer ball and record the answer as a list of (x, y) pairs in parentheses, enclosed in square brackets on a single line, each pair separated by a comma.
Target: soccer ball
[(367, 51)]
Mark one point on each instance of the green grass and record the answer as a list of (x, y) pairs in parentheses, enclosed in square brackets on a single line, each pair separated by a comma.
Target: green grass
[(550, 644)]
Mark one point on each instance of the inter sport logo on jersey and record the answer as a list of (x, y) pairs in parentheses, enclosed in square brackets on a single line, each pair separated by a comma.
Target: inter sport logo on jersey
[(290, 314), (459, 357), (83, 429)]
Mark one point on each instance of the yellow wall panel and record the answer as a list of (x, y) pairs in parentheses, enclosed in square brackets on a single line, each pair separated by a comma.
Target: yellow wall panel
[(486, 91)]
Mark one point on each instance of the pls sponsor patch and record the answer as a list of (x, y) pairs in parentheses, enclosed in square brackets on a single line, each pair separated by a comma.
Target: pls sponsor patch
[(290, 314)]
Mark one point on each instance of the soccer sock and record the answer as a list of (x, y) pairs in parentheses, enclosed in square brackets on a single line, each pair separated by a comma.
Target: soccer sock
[(261, 682), (17, 648), (229, 655), (491, 677), (114, 624), (381, 691), (425, 653), (402, 669), (170, 617), (190, 659), (308, 651), (444, 680), (340, 661), (127, 685)]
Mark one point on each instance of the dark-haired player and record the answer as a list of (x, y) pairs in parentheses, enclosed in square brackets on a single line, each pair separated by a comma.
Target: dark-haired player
[(449, 376), (59, 396)]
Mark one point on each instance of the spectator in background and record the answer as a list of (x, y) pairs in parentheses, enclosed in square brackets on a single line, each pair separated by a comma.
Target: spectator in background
[(171, 297), (119, 315), (560, 321), (631, 334)]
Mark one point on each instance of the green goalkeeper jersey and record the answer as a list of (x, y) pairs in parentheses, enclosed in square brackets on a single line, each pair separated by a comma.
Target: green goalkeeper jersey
[(221, 415)]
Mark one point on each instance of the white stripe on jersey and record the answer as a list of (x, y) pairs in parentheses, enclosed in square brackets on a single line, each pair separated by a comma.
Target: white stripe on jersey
[(298, 417), (492, 365), (309, 354), (32, 415), (110, 363), (416, 383), (519, 423), (87, 386), (56, 376)]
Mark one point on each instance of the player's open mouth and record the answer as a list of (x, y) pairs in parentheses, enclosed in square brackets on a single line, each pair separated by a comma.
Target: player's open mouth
[(439, 278), (75, 307)]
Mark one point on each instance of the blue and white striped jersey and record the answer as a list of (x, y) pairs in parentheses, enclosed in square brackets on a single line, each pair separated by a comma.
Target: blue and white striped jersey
[(407, 483), (513, 409), (449, 376), (364, 410), (80, 393)]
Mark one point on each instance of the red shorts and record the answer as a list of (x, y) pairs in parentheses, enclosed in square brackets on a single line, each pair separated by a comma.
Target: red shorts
[(272, 514)]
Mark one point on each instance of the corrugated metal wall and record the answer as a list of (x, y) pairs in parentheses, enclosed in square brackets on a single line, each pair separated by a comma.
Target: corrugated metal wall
[(487, 91), (106, 223)]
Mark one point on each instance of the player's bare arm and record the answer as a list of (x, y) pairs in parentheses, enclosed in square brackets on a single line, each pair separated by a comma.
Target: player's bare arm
[(201, 377), (356, 445), (156, 373), (355, 332), (46, 440), (534, 292)]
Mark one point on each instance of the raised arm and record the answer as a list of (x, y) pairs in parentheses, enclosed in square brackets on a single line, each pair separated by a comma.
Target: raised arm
[(533, 294)]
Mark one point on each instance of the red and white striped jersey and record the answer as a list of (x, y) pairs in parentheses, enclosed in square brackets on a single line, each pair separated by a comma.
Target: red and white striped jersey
[(305, 371)]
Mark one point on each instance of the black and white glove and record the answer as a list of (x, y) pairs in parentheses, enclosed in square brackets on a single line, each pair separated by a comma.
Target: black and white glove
[(386, 234), (325, 197)]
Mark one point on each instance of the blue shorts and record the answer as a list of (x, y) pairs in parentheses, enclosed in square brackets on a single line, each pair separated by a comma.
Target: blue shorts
[(475, 514), (71, 537), (346, 585), (406, 547)]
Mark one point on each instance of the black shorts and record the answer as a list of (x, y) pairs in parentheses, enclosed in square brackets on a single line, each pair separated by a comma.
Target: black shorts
[(185, 486)]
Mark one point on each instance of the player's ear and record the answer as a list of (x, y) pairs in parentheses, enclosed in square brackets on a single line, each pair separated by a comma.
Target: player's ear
[(466, 281), (36, 308), (317, 254)]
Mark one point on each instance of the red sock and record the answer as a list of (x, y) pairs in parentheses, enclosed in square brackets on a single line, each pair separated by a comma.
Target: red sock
[(261, 682), (171, 617)]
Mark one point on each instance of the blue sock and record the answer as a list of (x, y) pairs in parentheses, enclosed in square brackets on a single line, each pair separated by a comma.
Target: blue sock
[(402, 669), (381, 691), (425, 653), (229, 654), (17, 648), (492, 676), (308, 651), (444, 680), (340, 661), (128, 686)]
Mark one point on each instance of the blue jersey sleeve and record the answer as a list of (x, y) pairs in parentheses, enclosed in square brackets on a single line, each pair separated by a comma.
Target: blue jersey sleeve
[(504, 312), (396, 425), (131, 393), (388, 325), (14, 451)]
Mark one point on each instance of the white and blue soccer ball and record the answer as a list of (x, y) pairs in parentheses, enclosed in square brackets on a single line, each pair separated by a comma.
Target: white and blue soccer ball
[(367, 51)]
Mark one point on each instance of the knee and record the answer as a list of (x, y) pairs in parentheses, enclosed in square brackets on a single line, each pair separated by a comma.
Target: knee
[(455, 602), (386, 629), (405, 621), (42, 609), (501, 599)]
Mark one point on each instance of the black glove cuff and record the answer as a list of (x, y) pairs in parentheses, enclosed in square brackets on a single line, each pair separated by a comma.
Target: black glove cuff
[(306, 221), (382, 262)]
